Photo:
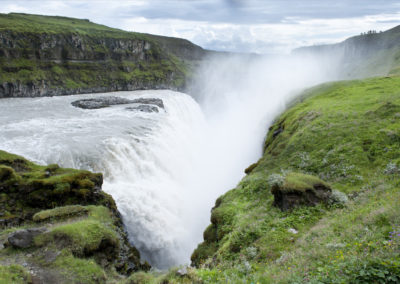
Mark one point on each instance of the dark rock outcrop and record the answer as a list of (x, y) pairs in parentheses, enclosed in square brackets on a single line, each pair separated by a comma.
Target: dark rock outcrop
[(143, 108), (149, 101), (46, 88), (52, 56), (100, 102), (297, 189), (24, 238), (145, 104)]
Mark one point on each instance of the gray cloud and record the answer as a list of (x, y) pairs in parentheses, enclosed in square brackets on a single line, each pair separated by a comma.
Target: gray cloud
[(234, 25), (258, 11)]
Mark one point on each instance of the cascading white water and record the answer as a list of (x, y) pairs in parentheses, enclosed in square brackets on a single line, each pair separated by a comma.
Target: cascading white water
[(145, 157), (165, 169)]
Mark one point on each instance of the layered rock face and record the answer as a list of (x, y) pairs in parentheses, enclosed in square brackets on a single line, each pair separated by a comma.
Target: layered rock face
[(50, 56), (43, 46)]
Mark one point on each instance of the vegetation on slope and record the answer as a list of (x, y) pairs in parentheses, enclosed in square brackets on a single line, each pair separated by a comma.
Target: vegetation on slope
[(367, 55), (43, 55), (344, 133), (347, 134), (27, 188), (78, 234)]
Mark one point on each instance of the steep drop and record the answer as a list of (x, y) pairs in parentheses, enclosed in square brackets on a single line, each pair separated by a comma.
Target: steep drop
[(146, 159)]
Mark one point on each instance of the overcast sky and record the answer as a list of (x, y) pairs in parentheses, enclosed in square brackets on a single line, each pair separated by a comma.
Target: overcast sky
[(262, 26)]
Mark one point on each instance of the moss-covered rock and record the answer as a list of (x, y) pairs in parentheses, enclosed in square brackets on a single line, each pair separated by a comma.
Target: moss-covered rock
[(79, 223), (8, 177), (60, 213), (91, 236), (298, 189), (28, 188)]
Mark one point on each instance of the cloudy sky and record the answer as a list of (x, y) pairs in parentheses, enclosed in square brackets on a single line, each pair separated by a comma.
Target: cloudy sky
[(262, 26)]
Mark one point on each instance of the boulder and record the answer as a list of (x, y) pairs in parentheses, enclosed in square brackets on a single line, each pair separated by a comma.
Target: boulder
[(149, 101), (143, 108), (102, 102), (297, 189), (24, 238)]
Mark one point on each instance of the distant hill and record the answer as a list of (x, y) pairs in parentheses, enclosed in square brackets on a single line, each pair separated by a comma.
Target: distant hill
[(50, 55), (369, 54)]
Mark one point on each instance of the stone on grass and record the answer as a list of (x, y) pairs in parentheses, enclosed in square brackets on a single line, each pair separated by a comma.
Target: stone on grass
[(298, 189), (24, 238)]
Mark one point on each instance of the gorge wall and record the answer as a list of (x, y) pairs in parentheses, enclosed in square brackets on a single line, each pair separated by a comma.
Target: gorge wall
[(46, 56), (367, 55)]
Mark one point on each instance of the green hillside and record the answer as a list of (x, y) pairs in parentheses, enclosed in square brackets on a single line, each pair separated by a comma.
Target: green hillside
[(348, 135), (46, 55), (320, 206), (343, 135)]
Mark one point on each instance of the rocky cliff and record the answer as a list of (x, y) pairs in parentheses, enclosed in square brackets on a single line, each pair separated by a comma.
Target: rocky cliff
[(58, 226), (370, 54), (45, 56)]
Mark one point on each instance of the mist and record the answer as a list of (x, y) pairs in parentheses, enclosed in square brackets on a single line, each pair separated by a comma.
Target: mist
[(240, 96), (166, 169)]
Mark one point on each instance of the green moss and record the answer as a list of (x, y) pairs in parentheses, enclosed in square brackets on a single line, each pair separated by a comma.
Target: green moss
[(141, 277), (84, 237), (71, 84), (60, 212), (8, 176), (90, 236), (29, 188), (300, 182), (79, 270), (14, 274)]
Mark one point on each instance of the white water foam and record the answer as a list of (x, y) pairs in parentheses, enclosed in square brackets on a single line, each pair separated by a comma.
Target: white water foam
[(145, 158), (165, 170)]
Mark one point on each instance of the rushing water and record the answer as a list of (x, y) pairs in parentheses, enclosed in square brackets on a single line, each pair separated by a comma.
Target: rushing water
[(166, 169), (146, 159)]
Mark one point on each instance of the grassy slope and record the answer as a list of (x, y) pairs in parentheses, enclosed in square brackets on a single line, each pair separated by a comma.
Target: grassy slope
[(163, 65), (68, 238), (347, 133), (85, 240), (60, 25)]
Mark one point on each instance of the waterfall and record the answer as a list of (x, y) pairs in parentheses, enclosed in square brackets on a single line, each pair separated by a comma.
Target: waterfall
[(146, 158), (166, 169)]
